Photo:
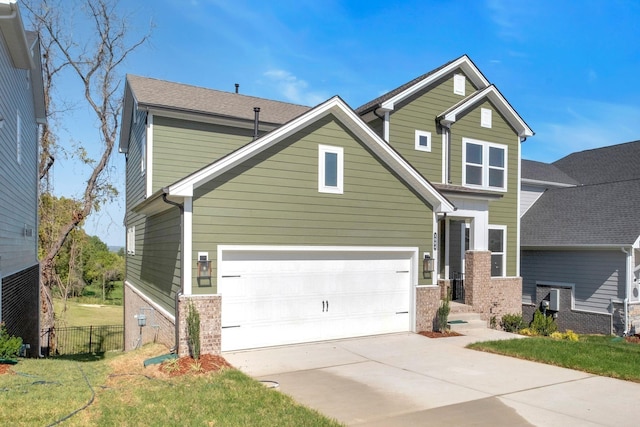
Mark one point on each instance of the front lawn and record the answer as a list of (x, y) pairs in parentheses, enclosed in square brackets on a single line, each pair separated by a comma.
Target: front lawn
[(600, 355), (119, 391)]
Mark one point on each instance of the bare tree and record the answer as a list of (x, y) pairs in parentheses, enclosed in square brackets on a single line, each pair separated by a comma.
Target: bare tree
[(94, 57)]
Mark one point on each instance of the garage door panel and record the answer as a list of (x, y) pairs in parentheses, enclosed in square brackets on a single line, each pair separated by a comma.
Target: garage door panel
[(284, 298)]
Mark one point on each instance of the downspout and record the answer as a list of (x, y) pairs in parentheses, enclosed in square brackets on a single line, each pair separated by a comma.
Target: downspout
[(627, 289), (177, 297), (385, 123)]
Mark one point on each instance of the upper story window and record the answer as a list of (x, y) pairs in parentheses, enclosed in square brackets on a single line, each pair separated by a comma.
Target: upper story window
[(485, 118), (497, 246), (330, 169), (459, 82), (423, 140), (484, 164)]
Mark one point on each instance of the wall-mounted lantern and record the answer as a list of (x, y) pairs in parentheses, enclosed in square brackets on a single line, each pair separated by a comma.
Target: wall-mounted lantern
[(427, 266), (204, 266)]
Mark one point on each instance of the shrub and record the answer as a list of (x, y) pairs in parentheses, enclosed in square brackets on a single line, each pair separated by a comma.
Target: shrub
[(512, 323), (9, 345), (543, 324), (193, 331), (443, 314), (527, 332), (569, 335)]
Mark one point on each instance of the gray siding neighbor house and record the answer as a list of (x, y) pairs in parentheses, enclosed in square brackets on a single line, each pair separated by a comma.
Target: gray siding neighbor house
[(581, 240), (21, 109), (283, 223)]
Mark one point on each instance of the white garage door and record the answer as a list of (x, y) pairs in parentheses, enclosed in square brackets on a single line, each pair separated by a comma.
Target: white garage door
[(275, 297)]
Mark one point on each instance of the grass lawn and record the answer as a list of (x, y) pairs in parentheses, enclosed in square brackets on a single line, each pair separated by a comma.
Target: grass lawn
[(82, 314), (124, 393), (600, 355)]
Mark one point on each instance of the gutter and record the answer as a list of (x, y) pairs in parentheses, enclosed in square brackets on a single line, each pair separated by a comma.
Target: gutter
[(177, 297)]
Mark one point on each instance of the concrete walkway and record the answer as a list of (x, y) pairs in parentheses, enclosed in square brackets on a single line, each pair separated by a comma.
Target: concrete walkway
[(407, 379)]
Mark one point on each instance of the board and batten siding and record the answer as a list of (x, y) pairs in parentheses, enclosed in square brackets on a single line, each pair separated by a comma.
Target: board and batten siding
[(505, 210), (19, 180), (598, 275), (273, 199), (419, 113), (182, 147)]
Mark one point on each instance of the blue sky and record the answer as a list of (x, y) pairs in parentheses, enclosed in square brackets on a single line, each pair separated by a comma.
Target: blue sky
[(568, 67)]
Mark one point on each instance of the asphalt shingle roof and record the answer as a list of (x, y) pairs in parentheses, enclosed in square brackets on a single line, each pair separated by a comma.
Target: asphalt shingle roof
[(545, 172), (177, 96), (607, 164), (599, 214)]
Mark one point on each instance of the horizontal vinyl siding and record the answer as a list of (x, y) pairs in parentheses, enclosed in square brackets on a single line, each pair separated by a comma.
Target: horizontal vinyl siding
[(598, 275), (273, 199), (505, 210), (419, 113), (18, 181), (155, 267), (181, 147), (528, 196)]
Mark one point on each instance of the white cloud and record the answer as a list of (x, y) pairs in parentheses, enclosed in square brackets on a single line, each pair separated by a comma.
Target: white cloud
[(294, 89), (579, 125)]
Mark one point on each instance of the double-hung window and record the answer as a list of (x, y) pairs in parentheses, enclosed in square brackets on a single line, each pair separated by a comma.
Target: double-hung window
[(497, 246), (330, 169), (484, 164)]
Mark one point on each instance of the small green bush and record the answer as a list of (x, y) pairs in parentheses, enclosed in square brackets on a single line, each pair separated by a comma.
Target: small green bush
[(512, 323), (443, 314), (9, 345), (193, 330), (543, 324)]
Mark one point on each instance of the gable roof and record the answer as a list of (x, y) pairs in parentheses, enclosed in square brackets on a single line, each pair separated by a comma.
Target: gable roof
[(169, 98), (591, 215), (388, 100), (607, 164), (492, 94), (341, 111), (544, 173)]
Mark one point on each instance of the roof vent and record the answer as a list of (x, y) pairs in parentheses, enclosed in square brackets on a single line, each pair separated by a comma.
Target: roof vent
[(237, 87)]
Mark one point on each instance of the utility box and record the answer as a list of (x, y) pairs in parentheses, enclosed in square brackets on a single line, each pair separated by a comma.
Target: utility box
[(554, 300)]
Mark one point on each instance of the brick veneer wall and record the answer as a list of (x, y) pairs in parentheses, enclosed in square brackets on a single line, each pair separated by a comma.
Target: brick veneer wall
[(427, 303), (209, 308), (160, 327), (581, 322), (490, 296), (21, 306)]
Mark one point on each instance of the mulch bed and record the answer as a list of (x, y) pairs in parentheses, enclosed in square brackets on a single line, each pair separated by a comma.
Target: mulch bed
[(5, 369), (435, 334), (188, 365), (635, 339)]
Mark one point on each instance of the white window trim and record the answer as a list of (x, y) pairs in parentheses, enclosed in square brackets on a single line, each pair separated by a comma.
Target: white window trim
[(485, 117), (459, 83), (485, 164), (339, 151), (504, 246), (131, 240), (419, 147)]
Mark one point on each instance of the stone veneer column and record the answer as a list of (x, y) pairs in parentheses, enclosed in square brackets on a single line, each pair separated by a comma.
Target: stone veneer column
[(209, 308), (427, 303)]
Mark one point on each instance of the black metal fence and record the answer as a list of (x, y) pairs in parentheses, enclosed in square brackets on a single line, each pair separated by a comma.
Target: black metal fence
[(82, 340)]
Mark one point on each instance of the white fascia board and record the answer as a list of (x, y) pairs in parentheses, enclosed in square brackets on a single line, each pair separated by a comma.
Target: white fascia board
[(636, 244), (546, 183), (12, 29), (463, 62), (501, 104), (338, 108)]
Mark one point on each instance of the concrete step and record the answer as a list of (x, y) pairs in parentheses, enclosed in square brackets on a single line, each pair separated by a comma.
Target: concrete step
[(468, 320), (457, 307)]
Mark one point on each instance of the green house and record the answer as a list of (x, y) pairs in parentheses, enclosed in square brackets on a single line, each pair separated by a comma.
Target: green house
[(283, 223)]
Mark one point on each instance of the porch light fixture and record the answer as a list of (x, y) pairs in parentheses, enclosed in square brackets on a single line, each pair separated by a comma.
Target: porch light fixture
[(204, 269), (427, 266)]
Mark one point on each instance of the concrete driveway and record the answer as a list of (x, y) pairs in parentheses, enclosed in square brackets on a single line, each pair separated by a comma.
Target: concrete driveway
[(407, 379)]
